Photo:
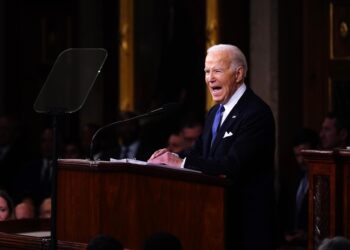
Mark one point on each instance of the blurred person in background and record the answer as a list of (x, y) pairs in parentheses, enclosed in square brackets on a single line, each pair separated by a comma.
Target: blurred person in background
[(334, 132), (45, 208), (175, 142), (6, 206)]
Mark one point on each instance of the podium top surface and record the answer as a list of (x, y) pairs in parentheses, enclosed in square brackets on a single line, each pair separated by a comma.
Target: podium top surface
[(326, 155), (148, 169)]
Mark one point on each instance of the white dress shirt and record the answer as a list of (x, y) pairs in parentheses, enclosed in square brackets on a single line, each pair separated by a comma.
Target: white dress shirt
[(233, 101)]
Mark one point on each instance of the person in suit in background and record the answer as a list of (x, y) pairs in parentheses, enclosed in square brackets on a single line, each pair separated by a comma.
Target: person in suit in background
[(71, 150), (34, 183), (175, 142), (238, 141), (129, 143), (297, 218), (334, 132), (190, 131)]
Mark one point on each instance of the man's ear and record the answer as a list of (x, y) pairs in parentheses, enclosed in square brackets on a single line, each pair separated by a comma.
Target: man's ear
[(239, 74)]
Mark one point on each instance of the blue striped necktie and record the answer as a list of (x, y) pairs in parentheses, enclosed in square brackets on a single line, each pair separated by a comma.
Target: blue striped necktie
[(217, 122)]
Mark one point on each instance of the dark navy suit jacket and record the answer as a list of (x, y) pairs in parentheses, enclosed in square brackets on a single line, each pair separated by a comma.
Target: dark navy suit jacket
[(243, 151)]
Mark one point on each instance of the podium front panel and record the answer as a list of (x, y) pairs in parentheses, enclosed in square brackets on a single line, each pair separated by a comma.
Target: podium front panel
[(131, 202)]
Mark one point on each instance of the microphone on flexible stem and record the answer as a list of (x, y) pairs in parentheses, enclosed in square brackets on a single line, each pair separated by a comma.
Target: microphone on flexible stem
[(169, 107)]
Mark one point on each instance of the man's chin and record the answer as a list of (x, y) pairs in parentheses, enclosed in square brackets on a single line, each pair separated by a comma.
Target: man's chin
[(217, 100)]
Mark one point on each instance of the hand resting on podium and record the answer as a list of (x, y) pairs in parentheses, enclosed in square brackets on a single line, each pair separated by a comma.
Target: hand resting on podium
[(164, 156)]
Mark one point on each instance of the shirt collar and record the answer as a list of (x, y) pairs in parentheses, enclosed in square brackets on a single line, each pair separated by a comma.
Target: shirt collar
[(233, 101)]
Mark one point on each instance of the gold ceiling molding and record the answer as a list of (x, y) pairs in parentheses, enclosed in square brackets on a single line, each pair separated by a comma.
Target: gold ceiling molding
[(126, 55), (212, 36)]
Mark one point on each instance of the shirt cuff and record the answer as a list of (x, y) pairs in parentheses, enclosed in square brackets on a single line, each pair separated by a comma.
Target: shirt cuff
[(183, 163)]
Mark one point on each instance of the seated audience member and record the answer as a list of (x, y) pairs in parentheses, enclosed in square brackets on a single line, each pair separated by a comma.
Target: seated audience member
[(175, 143), (297, 230), (161, 241), (71, 150), (6, 206), (130, 145), (45, 208), (336, 243), (35, 181), (190, 132), (104, 242), (334, 132), (25, 210)]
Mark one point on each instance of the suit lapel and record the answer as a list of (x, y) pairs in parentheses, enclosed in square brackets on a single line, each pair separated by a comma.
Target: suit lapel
[(231, 120)]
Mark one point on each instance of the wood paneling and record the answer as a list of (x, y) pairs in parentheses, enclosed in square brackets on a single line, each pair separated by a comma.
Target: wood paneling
[(131, 202), (329, 200)]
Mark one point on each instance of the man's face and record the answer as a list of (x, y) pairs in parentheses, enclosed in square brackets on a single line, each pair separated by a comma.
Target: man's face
[(190, 135), (175, 143), (329, 135), (221, 79), (4, 209)]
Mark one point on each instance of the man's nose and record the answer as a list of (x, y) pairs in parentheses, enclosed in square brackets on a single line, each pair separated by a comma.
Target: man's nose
[(211, 77)]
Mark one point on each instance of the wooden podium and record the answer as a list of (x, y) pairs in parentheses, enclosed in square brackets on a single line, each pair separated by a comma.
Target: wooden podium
[(131, 202), (329, 195)]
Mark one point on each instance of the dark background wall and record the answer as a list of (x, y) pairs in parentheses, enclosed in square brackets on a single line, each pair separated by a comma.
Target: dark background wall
[(170, 40)]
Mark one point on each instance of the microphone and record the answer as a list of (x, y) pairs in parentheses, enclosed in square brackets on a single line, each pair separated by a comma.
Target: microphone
[(169, 107)]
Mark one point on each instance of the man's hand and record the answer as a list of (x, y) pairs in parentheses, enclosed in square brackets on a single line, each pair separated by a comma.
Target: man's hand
[(164, 156)]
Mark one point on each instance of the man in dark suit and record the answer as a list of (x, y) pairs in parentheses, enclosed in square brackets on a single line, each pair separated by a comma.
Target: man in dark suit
[(238, 141)]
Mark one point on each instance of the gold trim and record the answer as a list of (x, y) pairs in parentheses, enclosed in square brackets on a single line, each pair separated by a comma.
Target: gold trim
[(212, 36), (343, 29), (331, 30), (126, 55)]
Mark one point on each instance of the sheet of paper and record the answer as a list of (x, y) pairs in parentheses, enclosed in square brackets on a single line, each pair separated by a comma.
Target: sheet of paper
[(127, 160), (138, 162)]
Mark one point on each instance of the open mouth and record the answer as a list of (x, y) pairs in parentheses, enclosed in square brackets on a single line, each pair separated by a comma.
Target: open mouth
[(216, 89)]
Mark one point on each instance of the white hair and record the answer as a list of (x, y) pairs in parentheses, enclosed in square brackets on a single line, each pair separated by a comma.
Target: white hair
[(336, 243), (237, 56)]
